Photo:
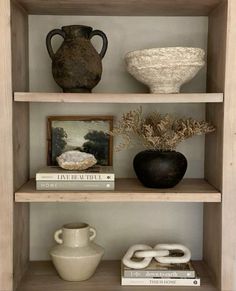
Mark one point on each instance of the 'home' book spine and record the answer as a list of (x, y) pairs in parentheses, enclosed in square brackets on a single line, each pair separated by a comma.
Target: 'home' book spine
[(77, 186), (159, 282)]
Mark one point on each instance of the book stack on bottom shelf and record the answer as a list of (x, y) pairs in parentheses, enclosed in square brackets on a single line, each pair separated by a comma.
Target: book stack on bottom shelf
[(157, 274), (97, 178)]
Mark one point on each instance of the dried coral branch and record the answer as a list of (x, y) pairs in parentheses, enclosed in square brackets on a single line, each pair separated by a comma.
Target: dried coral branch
[(157, 131)]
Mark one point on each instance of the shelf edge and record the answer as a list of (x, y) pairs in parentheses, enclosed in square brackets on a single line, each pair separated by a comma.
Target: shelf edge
[(27, 193), (118, 97)]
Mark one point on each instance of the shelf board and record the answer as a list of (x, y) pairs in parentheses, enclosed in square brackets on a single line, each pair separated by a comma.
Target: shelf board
[(118, 98), (121, 7), (42, 276), (126, 190)]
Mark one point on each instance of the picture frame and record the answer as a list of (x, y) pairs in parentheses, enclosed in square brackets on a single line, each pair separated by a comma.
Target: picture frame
[(85, 133)]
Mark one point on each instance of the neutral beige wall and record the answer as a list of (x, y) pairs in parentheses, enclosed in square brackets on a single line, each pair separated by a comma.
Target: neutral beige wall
[(118, 224)]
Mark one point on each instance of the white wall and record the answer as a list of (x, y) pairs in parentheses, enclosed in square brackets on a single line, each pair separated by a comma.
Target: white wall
[(118, 224)]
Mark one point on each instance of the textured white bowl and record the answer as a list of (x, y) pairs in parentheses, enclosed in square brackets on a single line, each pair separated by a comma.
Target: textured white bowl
[(164, 70)]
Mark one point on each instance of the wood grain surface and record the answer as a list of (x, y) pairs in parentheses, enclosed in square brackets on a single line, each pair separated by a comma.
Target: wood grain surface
[(215, 113), (228, 247), (42, 276), (129, 190), (6, 149), (20, 81), (118, 98), (120, 7)]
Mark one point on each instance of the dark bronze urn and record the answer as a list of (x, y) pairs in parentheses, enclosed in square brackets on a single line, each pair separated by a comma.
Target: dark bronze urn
[(76, 66), (160, 169)]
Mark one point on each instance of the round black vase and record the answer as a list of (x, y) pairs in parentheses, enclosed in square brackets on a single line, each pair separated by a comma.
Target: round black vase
[(160, 169)]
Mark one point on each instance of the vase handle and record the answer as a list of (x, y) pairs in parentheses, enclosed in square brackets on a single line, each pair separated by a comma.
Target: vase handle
[(57, 236), (93, 233), (49, 40), (105, 41)]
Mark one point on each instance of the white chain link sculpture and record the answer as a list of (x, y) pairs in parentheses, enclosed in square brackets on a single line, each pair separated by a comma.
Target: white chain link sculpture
[(161, 253)]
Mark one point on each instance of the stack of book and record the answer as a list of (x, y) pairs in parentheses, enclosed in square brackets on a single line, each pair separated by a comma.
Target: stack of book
[(97, 178), (157, 274)]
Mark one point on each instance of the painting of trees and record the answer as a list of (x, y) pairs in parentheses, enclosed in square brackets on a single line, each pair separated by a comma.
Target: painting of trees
[(75, 133), (97, 143), (58, 140)]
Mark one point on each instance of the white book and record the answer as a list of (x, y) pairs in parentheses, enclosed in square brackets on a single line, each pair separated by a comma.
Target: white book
[(96, 174), (160, 282), (76, 186)]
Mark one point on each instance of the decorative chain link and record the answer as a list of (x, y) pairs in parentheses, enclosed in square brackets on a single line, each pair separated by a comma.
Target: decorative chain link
[(161, 253)]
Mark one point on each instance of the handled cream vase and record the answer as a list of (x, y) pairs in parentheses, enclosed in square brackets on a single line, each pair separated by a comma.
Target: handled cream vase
[(76, 256)]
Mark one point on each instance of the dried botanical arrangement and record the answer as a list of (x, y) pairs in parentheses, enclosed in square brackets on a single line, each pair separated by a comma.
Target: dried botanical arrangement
[(157, 131)]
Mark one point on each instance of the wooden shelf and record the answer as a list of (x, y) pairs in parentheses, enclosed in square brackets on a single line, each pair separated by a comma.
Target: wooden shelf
[(118, 98), (121, 7), (42, 276), (129, 190)]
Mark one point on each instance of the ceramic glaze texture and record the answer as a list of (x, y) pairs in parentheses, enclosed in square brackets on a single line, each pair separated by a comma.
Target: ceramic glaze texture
[(76, 257), (160, 169), (76, 66), (164, 70), (161, 253)]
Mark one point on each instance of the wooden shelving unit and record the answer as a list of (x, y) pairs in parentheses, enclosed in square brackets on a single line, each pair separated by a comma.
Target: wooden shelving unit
[(42, 276), (217, 268), (127, 190), (118, 98)]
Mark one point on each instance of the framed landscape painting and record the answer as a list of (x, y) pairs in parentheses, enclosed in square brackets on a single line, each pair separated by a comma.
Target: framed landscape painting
[(88, 134)]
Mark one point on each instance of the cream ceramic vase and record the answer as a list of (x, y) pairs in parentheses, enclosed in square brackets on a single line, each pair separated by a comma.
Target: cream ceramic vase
[(76, 256)]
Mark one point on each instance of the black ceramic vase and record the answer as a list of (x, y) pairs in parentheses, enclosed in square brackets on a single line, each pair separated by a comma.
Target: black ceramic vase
[(76, 66), (160, 169)]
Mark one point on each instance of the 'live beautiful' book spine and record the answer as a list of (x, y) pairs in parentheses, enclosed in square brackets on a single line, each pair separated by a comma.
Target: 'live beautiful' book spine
[(75, 177)]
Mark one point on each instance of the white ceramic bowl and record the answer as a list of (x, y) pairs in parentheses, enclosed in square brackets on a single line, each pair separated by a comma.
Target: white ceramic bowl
[(164, 70)]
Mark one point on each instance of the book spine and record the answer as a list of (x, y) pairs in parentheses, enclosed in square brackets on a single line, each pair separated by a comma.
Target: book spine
[(62, 185), (159, 282), (75, 177), (158, 274)]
